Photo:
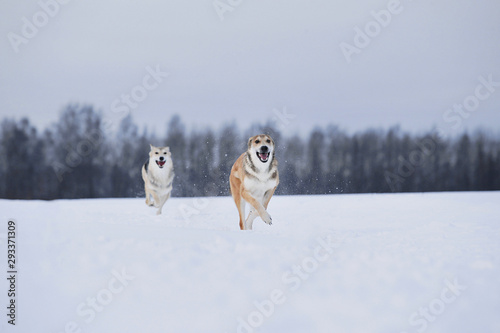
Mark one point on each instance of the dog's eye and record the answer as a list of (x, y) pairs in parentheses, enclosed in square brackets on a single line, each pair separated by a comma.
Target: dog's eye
[(165, 152), (268, 141), (257, 141), (156, 153)]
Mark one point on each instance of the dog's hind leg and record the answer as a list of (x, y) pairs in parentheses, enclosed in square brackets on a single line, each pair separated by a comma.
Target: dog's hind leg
[(241, 211), (240, 204), (238, 200)]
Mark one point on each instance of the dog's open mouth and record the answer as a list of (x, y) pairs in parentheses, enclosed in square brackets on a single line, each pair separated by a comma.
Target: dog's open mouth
[(263, 157), (160, 163)]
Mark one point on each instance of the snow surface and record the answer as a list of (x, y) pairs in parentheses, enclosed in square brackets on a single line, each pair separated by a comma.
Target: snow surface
[(336, 263)]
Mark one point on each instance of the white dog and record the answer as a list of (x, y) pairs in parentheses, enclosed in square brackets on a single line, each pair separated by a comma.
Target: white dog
[(158, 174)]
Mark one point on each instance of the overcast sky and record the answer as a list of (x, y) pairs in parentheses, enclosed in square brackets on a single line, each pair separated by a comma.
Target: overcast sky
[(261, 58)]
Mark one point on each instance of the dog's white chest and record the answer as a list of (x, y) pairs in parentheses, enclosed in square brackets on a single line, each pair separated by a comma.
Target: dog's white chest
[(257, 187), (161, 179)]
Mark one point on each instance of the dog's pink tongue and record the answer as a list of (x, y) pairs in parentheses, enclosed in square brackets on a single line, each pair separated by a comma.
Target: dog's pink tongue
[(265, 156), (161, 163)]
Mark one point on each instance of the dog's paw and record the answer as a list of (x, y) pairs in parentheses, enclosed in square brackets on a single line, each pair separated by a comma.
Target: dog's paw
[(158, 212), (267, 218)]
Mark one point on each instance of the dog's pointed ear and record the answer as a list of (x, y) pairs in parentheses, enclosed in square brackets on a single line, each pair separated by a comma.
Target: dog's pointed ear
[(250, 143), (151, 146), (167, 148)]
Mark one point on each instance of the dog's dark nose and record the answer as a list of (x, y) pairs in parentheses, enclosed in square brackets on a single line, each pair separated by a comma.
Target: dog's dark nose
[(162, 158), (264, 149)]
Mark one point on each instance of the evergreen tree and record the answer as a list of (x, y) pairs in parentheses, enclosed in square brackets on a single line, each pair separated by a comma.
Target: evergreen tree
[(177, 141), (227, 154)]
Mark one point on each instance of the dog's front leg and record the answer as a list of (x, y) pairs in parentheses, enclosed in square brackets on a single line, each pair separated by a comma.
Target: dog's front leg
[(160, 204), (156, 199), (249, 221), (267, 197), (264, 215), (148, 196), (163, 199)]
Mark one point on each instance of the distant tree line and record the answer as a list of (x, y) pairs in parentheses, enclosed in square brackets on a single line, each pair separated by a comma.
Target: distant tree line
[(86, 156)]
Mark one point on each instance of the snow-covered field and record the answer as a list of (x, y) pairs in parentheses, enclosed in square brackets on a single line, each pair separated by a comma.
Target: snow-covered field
[(339, 263)]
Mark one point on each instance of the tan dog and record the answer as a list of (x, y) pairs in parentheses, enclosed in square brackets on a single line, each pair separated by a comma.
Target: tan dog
[(254, 178), (158, 174)]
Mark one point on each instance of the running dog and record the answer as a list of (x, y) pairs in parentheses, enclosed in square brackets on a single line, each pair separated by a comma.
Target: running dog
[(158, 174), (254, 178)]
